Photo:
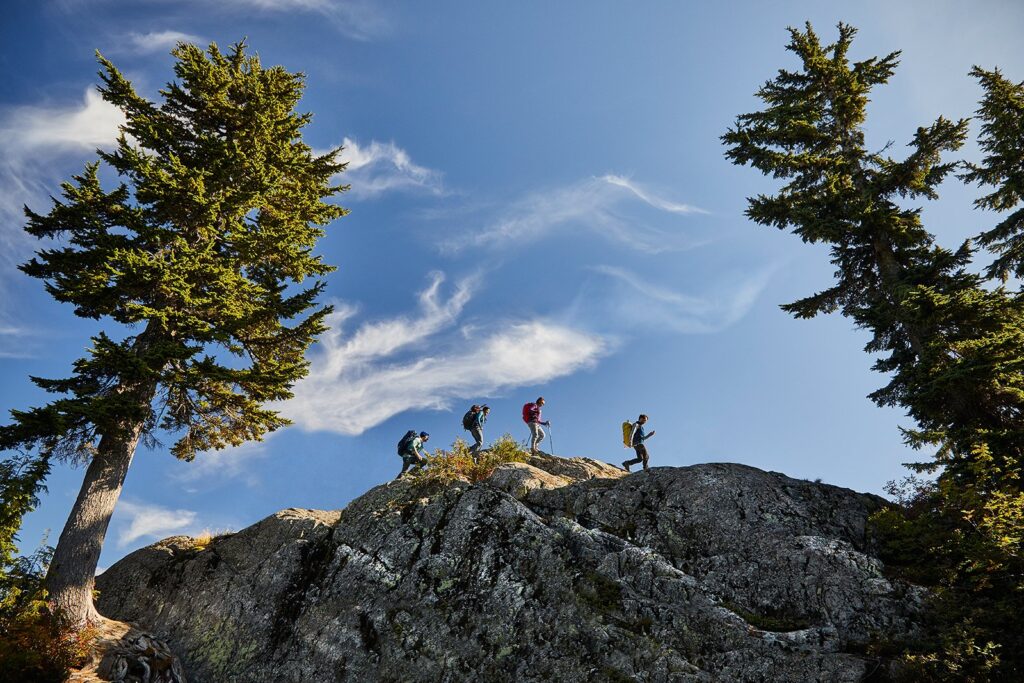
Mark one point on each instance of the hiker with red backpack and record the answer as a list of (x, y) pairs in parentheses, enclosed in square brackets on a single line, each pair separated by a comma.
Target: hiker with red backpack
[(409, 448), (635, 440), (473, 422), (533, 420)]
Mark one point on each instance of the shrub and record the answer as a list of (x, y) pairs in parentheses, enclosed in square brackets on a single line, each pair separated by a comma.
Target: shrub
[(36, 644), (458, 463)]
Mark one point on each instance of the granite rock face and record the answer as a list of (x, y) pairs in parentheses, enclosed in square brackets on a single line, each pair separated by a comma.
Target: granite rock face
[(556, 570)]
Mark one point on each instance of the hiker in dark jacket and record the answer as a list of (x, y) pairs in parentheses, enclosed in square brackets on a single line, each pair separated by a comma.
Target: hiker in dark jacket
[(411, 454), (533, 420), (477, 430), (639, 436)]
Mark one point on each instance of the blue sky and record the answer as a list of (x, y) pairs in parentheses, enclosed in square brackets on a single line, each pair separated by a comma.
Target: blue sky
[(539, 205)]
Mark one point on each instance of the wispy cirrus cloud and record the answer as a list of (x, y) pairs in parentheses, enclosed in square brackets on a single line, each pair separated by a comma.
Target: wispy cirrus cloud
[(648, 197), (15, 340), (33, 137), (140, 520), (609, 205), (212, 468), (358, 19), (639, 302), (157, 41), (380, 167), (356, 381), (35, 140)]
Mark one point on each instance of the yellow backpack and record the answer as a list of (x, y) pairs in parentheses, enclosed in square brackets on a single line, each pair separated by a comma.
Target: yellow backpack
[(627, 434)]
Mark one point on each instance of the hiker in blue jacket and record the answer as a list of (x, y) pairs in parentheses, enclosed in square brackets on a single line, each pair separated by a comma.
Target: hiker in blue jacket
[(639, 436), (476, 430)]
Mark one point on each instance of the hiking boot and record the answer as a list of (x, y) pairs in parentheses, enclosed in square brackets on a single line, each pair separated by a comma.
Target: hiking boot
[(625, 466)]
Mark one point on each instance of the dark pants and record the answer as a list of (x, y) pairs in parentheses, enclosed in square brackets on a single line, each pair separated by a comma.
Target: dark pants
[(641, 456), (411, 460), (478, 440)]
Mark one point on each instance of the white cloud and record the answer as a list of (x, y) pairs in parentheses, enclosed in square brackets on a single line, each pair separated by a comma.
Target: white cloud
[(33, 138), (159, 41), (49, 130), (214, 467), (383, 167), (640, 302), (653, 200), (139, 520), (602, 205), (359, 19), (353, 385), (15, 340)]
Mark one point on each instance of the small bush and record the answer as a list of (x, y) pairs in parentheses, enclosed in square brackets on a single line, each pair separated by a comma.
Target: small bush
[(36, 645), (447, 466)]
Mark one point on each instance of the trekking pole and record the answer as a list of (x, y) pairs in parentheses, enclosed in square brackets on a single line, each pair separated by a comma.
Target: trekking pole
[(551, 440)]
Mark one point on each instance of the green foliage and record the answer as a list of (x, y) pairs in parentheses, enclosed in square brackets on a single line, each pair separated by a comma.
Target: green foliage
[(458, 463), (21, 482), (36, 646), (952, 346), (204, 245), (971, 631), (1002, 140)]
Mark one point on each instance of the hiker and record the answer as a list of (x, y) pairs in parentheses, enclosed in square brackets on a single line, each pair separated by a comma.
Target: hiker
[(532, 418), (474, 421), (637, 441), (409, 448)]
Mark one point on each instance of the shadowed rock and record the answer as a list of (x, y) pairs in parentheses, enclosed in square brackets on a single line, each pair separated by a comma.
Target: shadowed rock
[(559, 569)]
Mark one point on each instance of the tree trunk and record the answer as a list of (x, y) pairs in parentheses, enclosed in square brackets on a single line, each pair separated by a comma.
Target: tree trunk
[(72, 572), (891, 272)]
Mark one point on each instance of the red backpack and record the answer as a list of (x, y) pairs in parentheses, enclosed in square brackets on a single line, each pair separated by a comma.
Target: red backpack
[(528, 411)]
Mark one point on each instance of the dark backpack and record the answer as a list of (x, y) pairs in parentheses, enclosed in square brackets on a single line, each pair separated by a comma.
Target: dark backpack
[(406, 442), (469, 419)]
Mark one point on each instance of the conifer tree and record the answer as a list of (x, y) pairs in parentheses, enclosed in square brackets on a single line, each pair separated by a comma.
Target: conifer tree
[(953, 347), (204, 254), (1002, 140)]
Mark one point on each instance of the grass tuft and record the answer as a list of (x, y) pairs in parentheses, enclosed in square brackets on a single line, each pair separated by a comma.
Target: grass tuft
[(445, 466), (207, 536)]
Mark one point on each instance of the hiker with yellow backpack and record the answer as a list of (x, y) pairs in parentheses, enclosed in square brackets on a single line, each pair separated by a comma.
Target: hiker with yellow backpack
[(633, 436)]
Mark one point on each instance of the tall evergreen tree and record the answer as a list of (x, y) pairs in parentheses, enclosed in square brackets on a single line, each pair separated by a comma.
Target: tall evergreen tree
[(1002, 140), (204, 252), (952, 346)]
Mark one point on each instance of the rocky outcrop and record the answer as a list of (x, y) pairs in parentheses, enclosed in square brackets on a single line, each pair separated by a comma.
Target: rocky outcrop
[(552, 570)]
